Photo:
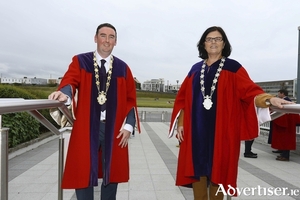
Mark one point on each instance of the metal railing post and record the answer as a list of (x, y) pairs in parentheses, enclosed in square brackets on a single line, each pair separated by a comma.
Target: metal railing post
[(31, 106), (163, 116), (143, 116), (60, 166), (4, 163)]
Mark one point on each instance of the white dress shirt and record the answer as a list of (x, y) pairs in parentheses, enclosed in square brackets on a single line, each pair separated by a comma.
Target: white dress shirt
[(128, 127)]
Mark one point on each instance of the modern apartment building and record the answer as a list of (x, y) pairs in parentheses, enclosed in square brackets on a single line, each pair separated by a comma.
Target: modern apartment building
[(272, 87)]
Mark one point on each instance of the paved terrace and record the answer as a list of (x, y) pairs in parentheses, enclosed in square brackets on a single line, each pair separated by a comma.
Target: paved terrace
[(33, 171)]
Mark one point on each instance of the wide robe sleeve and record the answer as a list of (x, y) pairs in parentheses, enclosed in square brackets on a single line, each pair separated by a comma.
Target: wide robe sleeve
[(78, 153), (179, 104), (236, 120), (72, 78), (183, 101)]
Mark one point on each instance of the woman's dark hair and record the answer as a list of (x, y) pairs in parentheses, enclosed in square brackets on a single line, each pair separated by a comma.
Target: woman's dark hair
[(106, 25), (226, 50)]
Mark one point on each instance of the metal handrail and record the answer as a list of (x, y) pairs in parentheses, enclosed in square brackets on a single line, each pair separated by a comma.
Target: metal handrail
[(30, 106)]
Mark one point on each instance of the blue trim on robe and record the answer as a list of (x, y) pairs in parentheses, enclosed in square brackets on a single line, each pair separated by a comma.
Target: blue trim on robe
[(119, 70), (204, 121)]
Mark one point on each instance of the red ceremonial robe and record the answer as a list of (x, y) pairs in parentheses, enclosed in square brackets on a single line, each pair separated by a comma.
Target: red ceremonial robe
[(284, 132), (235, 120), (83, 162)]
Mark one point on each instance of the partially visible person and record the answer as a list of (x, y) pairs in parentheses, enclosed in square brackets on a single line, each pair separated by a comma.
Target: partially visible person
[(248, 149), (283, 131), (105, 115), (216, 108), (270, 137), (133, 132), (276, 151)]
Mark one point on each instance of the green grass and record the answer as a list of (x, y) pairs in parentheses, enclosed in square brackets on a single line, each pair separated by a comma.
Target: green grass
[(155, 99), (144, 98), (155, 103), (41, 91)]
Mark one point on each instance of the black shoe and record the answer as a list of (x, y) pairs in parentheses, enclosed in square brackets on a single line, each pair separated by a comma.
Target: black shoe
[(250, 155), (278, 151)]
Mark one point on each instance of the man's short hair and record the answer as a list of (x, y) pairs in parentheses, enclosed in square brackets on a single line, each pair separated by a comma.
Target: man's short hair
[(283, 91), (106, 25)]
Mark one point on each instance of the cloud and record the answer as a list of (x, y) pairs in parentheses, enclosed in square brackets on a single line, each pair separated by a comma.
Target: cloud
[(157, 39)]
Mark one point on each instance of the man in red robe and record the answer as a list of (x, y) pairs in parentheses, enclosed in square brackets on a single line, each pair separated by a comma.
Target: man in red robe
[(105, 114)]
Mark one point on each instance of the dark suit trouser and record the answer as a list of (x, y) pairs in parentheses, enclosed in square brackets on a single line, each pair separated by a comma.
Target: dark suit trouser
[(286, 154), (109, 191), (248, 146)]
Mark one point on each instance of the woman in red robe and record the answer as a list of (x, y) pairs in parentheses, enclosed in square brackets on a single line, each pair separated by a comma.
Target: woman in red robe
[(216, 108)]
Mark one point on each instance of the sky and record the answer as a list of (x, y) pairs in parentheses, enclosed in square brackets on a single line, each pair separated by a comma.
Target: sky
[(156, 38)]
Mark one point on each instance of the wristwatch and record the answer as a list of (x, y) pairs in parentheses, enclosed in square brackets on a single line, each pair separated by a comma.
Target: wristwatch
[(268, 103)]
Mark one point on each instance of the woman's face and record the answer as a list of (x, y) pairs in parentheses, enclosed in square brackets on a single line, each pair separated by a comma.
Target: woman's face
[(214, 44)]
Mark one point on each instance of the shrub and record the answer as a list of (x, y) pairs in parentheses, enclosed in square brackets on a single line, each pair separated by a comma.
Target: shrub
[(9, 91), (23, 127)]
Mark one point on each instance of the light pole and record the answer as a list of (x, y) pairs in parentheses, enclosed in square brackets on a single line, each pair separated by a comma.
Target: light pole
[(298, 74), (168, 85)]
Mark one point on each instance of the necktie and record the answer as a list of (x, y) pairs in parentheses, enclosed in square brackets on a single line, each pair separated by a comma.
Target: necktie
[(103, 78)]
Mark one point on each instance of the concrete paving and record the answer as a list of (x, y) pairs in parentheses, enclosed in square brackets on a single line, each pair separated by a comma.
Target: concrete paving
[(33, 171)]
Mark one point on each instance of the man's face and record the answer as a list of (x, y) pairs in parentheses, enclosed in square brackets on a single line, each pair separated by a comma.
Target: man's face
[(106, 39), (280, 95)]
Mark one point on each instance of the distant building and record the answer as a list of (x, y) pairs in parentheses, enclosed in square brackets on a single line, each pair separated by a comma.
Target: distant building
[(24, 80), (53, 81), (42, 81), (159, 85), (172, 88), (11, 80), (156, 85), (272, 87), (137, 84)]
